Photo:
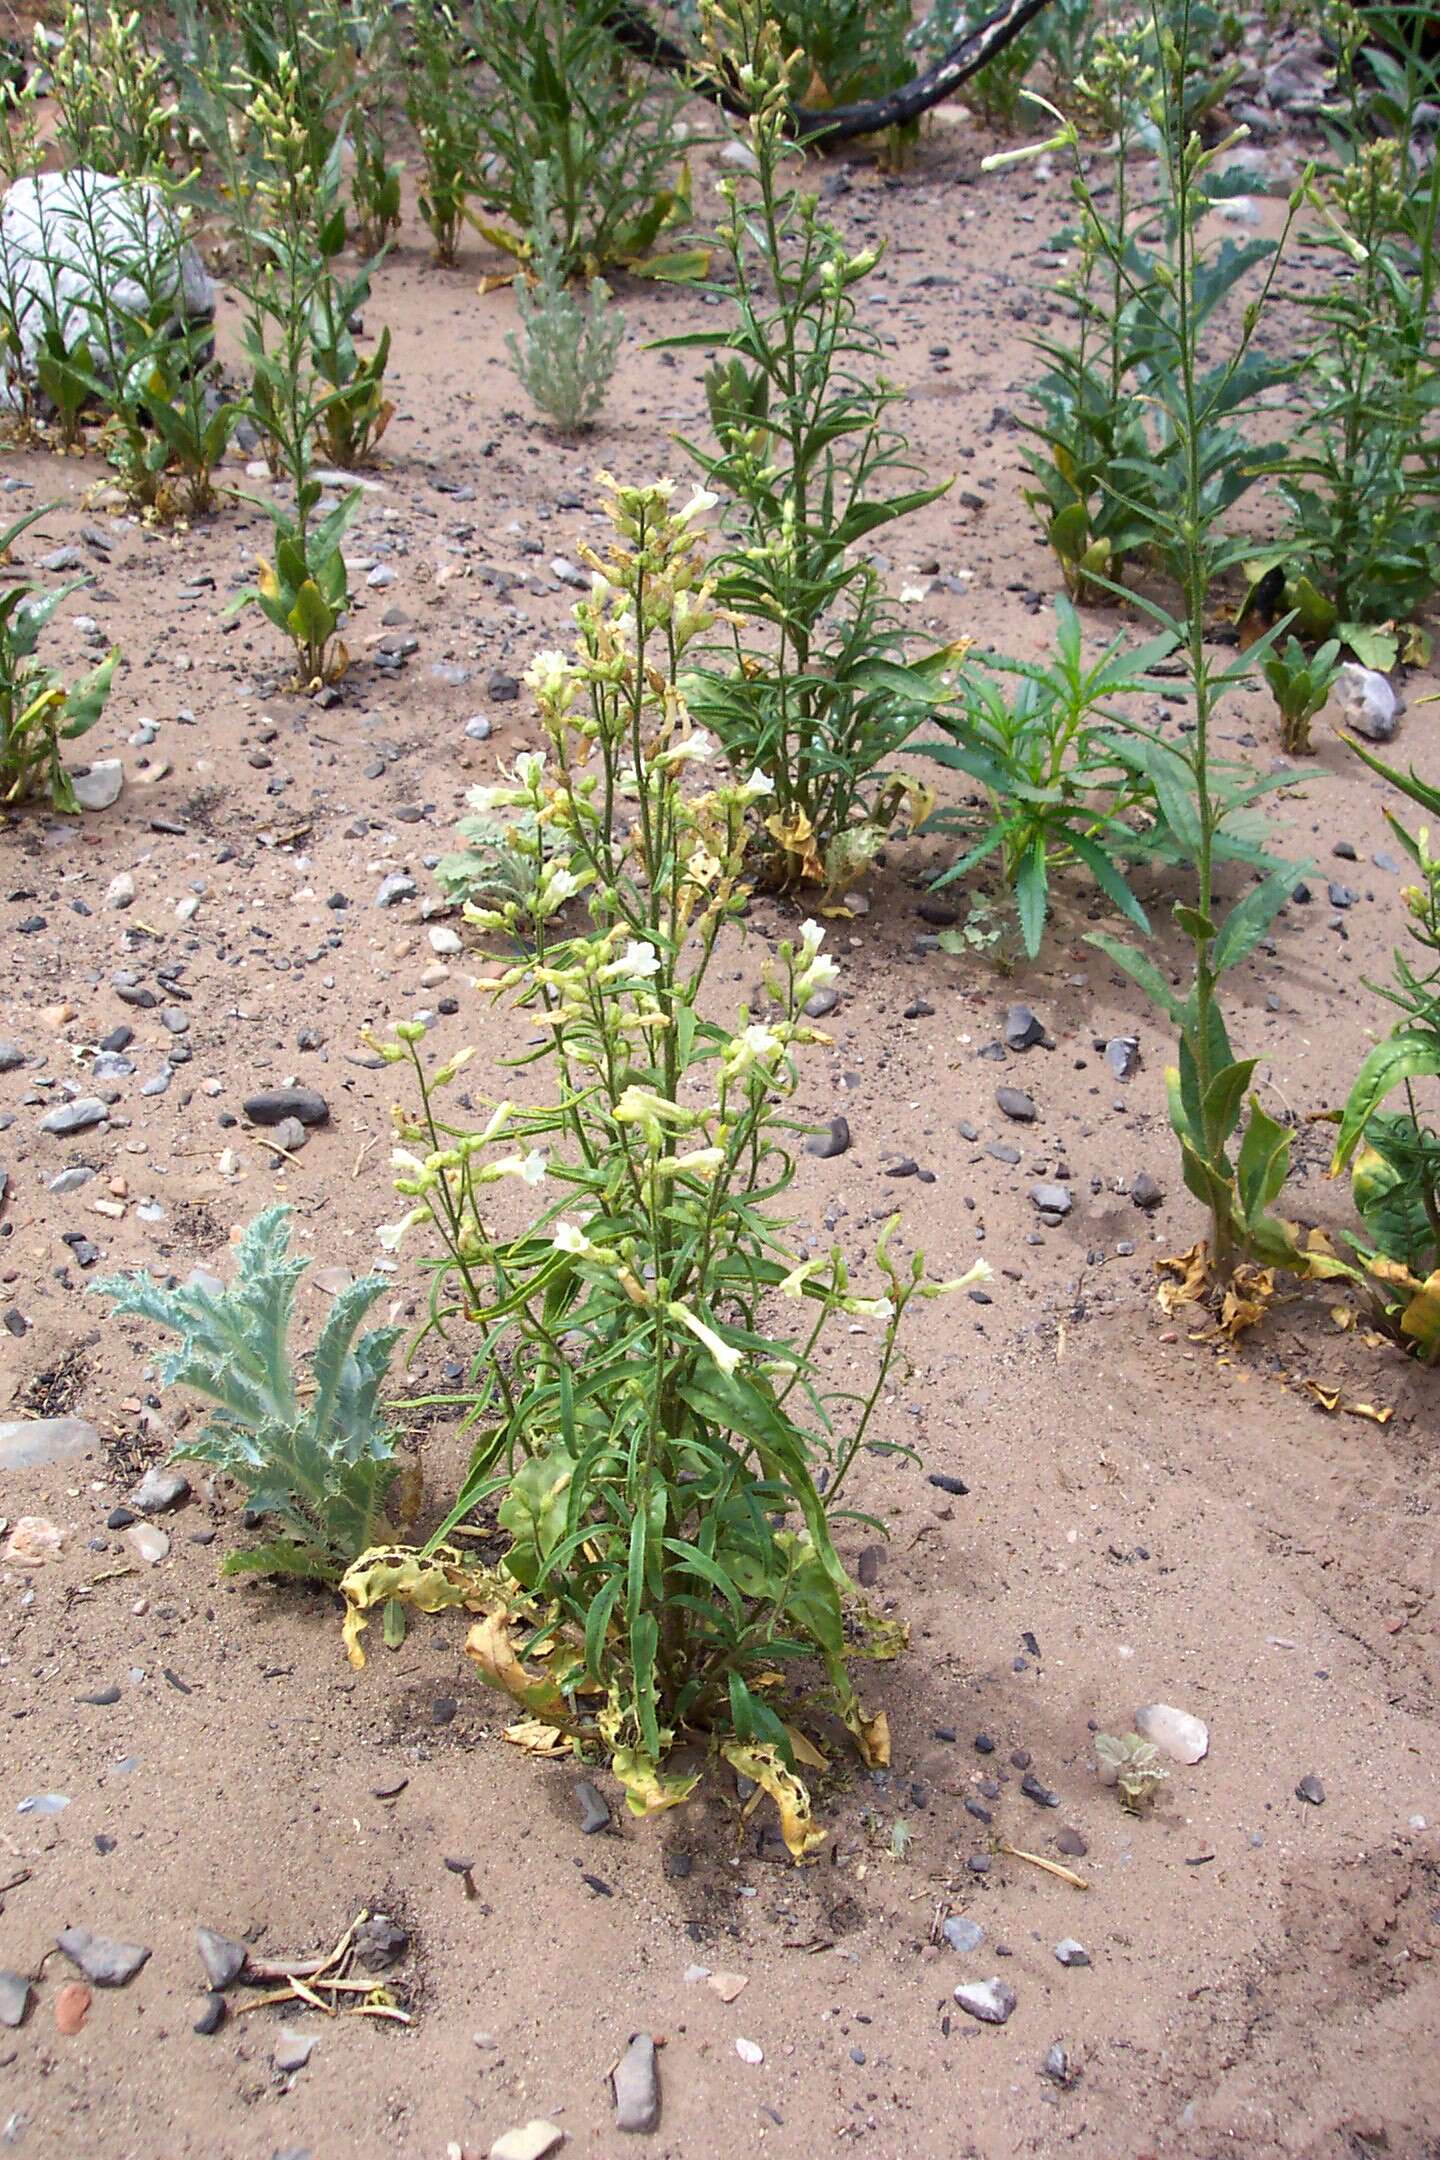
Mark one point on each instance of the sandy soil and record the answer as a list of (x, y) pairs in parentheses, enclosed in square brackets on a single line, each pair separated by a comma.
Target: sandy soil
[(1148, 1517)]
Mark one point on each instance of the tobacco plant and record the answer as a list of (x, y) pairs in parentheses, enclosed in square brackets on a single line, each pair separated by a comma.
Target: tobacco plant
[(665, 1459), (1110, 466), (293, 233), (1394, 1156), (1234, 1160), (1300, 683), (563, 100), (445, 114), (1062, 783), (317, 1460), (114, 106), (850, 50), (1361, 484), (37, 712), (804, 451)]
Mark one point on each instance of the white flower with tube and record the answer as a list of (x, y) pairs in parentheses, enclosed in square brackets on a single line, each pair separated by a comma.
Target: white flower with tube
[(390, 1234), (700, 1162), (726, 1356), (530, 770), (696, 748), (756, 1045), (638, 959), (868, 1308), (568, 1237), (793, 1284), (701, 501), (752, 790), (530, 1169), (981, 1272)]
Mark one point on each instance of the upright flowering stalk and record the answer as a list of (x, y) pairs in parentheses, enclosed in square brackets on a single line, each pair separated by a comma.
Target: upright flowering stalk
[(667, 1459)]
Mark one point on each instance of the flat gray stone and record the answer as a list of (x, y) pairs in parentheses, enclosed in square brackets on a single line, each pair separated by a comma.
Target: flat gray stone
[(104, 1962), (1052, 1199), (962, 1934), (271, 1106), (11, 1057), (224, 1959), (30, 1443), (1015, 1103), (636, 2079), (77, 1116), (292, 2051), (98, 788), (14, 1998), (159, 1490), (1023, 1028), (1070, 1952)]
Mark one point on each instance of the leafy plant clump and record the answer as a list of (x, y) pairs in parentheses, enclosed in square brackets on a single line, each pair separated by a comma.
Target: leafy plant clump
[(317, 1459), (1394, 1156), (804, 451), (37, 712), (1133, 1766), (667, 1461), (608, 140), (565, 353)]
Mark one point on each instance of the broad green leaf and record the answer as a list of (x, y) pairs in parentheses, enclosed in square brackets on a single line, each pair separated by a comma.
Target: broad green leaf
[(1406, 1056)]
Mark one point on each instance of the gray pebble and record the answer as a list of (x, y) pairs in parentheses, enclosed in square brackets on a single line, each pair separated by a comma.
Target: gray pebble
[(636, 2079), (159, 1490), (1311, 1789), (222, 1956), (14, 1998), (77, 1116), (104, 1961), (824, 1001), (992, 2001), (273, 1105), (1016, 1104), (1070, 1952), (963, 1935), (398, 886), (1052, 1199), (594, 1812), (835, 1140), (1023, 1028)]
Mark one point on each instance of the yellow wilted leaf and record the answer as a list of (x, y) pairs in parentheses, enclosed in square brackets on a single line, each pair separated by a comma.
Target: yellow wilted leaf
[(796, 835), (762, 1765), (1192, 1277), (1247, 1300), (431, 1585), (646, 1791), (1421, 1318), (1333, 1400), (804, 1750), (536, 1737), (873, 1735), (269, 583), (489, 1644)]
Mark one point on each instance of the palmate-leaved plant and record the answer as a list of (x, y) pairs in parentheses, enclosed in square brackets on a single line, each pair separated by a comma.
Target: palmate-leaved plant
[(316, 1460), (667, 1459)]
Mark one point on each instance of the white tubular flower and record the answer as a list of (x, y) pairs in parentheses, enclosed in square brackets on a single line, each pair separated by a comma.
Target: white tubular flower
[(700, 1162), (530, 1169), (390, 1234), (868, 1308), (642, 1106), (568, 1238), (701, 501), (638, 959), (726, 1356), (530, 768), (696, 748), (486, 799), (557, 886), (499, 1119), (794, 1283), (758, 1045), (981, 1272), (759, 784), (550, 677), (403, 1159)]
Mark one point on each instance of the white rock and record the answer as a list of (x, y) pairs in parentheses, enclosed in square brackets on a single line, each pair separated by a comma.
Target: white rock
[(31, 1443), (740, 154), (1182, 1737), (148, 1543), (992, 2001), (532, 2141), (1238, 210), (1369, 704), (120, 891), (750, 2051), (98, 788), (79, 242), (444, 940)]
